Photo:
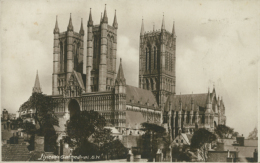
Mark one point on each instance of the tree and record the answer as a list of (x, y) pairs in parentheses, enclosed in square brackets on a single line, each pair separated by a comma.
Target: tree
[(82, 126), (181, 153), (224, 131), (201, 140), (104, 140), (118, 149), (235, 134), (253, 134), (152, 134), (87, 135), (44, 110), (44, 117)]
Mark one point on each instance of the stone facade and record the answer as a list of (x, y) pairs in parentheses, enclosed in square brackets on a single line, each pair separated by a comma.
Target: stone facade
[(102, 90)]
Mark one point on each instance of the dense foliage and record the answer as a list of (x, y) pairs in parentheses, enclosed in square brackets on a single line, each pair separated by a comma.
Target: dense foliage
[(253, 134), (224, 131), (86, 133), (45, 119), (154, 134), (201, 140)]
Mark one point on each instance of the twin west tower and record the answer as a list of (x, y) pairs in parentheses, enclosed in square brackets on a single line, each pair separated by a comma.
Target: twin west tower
[(101, 55)]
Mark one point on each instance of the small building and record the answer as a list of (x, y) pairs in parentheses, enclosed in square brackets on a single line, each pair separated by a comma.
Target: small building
[(182, 139)]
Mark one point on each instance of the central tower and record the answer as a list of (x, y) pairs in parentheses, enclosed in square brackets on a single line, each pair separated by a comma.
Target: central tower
[(101, 54), (157, 60)]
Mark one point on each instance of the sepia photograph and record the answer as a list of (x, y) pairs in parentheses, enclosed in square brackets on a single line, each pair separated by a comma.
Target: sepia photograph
[(130, 81)]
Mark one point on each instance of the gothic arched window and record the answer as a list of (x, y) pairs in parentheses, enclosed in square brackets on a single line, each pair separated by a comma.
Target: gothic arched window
[(155, 58), (147, 59), (152, 86), (75, 54), (61, 58)]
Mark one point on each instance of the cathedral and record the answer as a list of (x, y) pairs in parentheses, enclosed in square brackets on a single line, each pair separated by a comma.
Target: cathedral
[(104, 89)]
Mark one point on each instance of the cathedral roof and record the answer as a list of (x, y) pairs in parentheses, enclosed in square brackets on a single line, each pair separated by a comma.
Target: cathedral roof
[(199, 100), (137, 94)]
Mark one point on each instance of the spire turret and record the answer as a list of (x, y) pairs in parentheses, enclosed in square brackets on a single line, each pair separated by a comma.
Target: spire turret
[(153, 27), (208, 97), (90, 21), (101, 18), (142, 28), (120, 75), (214, 91), (37, 87), (105, 19), (81, 31), (192, 101), (56, 29), (173, 29), (163, 25), (115, 25), (70, 26)]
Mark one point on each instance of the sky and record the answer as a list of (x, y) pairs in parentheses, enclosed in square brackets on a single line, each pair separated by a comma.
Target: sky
[(217, 44)]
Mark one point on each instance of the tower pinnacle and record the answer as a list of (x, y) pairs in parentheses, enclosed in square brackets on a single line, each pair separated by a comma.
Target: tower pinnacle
[(90, 21), (208, 97), (101, 18), (142, 28), (56, 29), (81, 31), (120, 75), (37, 87), (173, 29), (115, 21), (105, 19), (70, 26), (163, 25)]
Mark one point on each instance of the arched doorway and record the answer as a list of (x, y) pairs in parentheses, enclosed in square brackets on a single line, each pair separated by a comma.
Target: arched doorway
[(73, 107)]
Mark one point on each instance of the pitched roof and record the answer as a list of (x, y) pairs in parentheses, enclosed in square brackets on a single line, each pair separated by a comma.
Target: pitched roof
[(137, 94), (113, 130), (15, 152)]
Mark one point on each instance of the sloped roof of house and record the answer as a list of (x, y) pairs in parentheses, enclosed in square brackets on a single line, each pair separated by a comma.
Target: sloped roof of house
[(137, 94), (113, 130)]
